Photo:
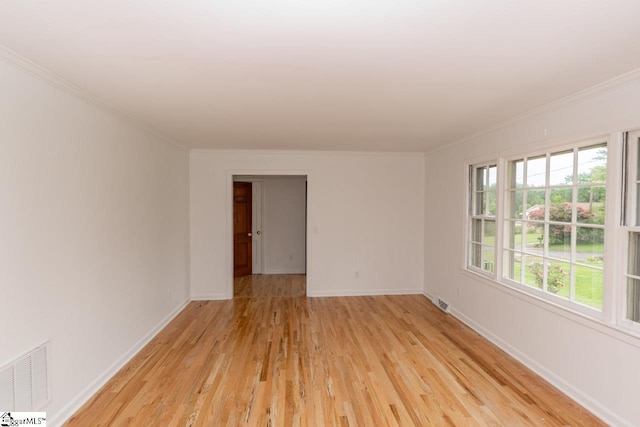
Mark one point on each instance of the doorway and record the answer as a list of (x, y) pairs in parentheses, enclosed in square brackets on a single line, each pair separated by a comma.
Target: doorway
[(242, 229), (269, 228)]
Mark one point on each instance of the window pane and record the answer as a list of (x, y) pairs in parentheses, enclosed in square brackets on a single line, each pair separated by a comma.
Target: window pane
[(638, 201), (561, 169), (489, 232), (535, 200), (516, 174), (633, 300), (590, 246), (480, 179), (489, 258), (592, 194), (513, 235), (634, 254), (479, 203), (589, 286), (561, 212), (637, 142), (535, 213), (532, 233), (512, 265), (493, 176), (476, 230), (592, 164), (515, 203), (590, 207), (560, 241), (475, 255), (559, 279), (491, 203), (536, 172), (534, 270), (633, 285), (559, 196)]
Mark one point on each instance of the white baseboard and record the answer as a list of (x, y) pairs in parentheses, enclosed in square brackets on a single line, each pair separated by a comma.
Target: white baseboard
[(72, 407), (586, 401), (363, 292)]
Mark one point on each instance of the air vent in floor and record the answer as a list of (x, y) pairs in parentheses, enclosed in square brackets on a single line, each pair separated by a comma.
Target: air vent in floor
[(441, 304)]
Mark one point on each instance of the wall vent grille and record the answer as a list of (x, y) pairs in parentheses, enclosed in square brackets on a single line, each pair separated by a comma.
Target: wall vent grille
[(441, 304), (24, 383)]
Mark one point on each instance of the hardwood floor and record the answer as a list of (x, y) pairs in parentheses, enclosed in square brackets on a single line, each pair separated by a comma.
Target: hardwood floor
[(270, 285), (290, 360)]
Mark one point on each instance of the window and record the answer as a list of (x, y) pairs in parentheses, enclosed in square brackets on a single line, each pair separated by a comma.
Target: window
[(554, 223), (482, 218), (536, 223), (631, 221)]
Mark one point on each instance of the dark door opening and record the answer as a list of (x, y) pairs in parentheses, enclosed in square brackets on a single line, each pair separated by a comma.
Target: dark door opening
[(242, 264)]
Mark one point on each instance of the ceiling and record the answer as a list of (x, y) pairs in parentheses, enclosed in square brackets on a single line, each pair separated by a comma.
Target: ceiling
[(380, 75)]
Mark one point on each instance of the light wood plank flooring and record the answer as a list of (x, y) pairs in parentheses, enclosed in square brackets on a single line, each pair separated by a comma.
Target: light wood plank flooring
[(265, 360), (270, 285)]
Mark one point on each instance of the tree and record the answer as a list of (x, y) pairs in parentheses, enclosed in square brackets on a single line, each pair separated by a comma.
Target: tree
[(560, 234)]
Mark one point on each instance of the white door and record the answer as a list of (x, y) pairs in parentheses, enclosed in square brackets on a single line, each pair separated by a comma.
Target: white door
[(256, 225)]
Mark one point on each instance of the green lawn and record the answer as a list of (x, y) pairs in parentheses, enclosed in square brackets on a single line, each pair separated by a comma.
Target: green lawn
[(535, 238), (531, 238), (588, 282)]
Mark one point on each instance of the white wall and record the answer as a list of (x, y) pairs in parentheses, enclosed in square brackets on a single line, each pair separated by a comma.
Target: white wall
[(94, 231), (365, 215), (284, 226), (594, 363)]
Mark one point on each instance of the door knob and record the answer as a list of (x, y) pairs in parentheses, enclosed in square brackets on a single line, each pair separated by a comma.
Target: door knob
[(249, 234), (258, 232)]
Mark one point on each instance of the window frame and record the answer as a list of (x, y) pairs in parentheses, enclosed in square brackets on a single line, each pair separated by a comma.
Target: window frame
[(546, 154), (472, 215), (610, 270), (629, 222)]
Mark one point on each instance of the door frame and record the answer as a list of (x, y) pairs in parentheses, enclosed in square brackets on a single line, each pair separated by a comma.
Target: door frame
[(229, 228), (257, 194), (257, 227)]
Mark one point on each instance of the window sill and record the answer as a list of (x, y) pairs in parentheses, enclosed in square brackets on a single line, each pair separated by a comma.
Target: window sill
[(618, 332)]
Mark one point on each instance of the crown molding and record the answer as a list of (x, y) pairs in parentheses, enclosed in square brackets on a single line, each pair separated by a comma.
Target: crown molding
[(622, 80), (314, 153), (27, 66)]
